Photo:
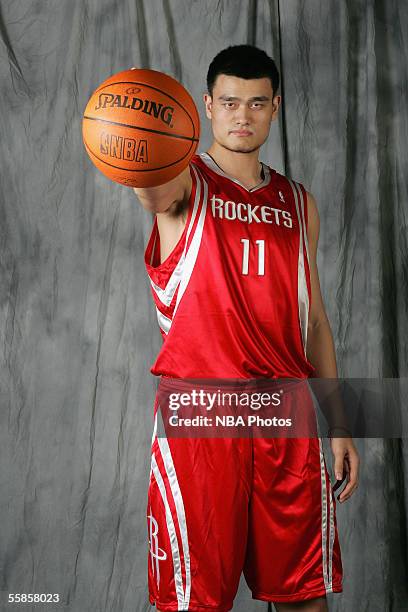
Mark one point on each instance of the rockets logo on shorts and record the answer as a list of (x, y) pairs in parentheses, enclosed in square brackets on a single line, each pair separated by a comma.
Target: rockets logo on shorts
[(156, 553)]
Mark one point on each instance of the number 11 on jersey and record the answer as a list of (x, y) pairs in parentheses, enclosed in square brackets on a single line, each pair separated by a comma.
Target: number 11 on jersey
[(261, 256)]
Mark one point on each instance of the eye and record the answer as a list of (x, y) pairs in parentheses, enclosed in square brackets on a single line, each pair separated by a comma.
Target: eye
[(229, 104), (257, 105)]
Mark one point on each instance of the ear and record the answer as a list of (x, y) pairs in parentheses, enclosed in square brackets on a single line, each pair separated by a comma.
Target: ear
[(208, 104), (276, 101)]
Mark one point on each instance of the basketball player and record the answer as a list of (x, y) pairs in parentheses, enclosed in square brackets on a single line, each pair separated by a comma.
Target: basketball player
[(232, 264)]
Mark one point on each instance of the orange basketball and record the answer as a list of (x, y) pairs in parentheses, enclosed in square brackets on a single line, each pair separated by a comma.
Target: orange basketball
[(141, 128)]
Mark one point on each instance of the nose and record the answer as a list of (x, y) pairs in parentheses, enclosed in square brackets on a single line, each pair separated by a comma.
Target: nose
[(242, 115)]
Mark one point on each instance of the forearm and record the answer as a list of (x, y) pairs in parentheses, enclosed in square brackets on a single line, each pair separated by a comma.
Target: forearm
[(161, 198), (321, 354), (320, 350)]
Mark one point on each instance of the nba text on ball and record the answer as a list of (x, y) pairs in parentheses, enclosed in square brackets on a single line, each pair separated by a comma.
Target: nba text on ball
[(128, 149)]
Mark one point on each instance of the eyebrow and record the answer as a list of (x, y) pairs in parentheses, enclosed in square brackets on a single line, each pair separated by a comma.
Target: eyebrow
[(235, 98)]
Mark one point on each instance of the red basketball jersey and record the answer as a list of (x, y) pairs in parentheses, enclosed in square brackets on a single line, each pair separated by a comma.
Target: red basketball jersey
[(233, 296)]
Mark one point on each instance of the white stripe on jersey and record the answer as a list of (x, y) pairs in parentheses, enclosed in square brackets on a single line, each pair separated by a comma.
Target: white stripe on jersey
[(326, 562), (164, 322), (195, 243), (303, 208), (178, 578), (181, 514), (303, 295), (331, 540), (166, 295)]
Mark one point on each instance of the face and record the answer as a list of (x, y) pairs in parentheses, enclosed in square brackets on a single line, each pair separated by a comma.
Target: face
[(241, 112)]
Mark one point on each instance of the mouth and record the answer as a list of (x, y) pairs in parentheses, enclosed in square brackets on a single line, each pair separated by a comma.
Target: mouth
[(241, 132)]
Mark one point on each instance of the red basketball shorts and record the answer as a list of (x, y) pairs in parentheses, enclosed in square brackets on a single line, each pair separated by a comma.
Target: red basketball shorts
[(219, 507)]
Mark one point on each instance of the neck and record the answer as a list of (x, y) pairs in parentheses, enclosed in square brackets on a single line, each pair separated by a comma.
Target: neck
[(245, 167)]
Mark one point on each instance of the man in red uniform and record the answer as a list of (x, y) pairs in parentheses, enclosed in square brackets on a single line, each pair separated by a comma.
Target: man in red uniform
[(232, 265)]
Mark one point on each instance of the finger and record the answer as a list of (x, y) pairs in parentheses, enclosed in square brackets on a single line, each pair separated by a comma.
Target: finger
[(353, 462), (347, 492), (338, 484), (338, 464), (346, 467), (352, 467), (346, 478)]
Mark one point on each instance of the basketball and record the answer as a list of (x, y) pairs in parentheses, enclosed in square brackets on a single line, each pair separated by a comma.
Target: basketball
[(141, 128)]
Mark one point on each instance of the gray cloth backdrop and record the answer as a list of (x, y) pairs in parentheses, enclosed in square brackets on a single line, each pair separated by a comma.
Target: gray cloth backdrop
[(77, 325)]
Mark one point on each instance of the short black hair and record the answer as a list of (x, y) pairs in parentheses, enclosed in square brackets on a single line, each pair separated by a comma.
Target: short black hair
[(244, 61)]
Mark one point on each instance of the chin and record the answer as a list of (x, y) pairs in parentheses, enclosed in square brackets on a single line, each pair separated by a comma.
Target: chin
[(242, 149)]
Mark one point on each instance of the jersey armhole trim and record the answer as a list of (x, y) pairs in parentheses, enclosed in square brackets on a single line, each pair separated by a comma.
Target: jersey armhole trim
[(304, 213), (154, 240)]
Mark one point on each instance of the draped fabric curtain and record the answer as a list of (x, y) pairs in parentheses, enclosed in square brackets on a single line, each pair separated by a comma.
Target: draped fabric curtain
[(77, 325)]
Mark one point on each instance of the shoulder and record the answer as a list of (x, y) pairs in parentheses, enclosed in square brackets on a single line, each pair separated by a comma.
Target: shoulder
[(313, 213), (198, 168), (286, 183), (206, 166), (301, 193), (305, 200), (313, 222), (198, 162)]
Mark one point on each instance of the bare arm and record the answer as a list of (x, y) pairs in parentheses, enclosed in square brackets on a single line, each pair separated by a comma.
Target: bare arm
[(321, 353), (320, 344), (167, 198)]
